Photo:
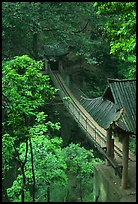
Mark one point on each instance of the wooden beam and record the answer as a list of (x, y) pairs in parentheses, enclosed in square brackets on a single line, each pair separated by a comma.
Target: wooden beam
[(108, 145), (124, 182), (112, 148)]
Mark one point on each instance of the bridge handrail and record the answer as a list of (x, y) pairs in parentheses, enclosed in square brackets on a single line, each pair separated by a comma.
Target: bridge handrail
[(84, 114), (89, 122)]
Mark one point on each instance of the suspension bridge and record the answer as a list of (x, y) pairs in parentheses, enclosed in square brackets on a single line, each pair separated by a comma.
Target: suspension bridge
[(93, 131)]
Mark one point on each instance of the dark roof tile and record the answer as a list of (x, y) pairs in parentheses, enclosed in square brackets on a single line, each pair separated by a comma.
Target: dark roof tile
[(104, 110), (124, 94)]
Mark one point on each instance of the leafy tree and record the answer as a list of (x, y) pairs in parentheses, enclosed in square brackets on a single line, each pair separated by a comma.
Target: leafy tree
[(120, 29), (80, 162), (70, 31), (66, 27), (49, 167), (25, 91), (29, 137)]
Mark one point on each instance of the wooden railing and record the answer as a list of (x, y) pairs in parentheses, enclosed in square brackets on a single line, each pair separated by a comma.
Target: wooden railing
[(93, 131)]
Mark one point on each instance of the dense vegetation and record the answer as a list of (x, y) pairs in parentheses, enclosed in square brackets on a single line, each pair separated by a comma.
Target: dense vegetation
[(100, 39), (96, 33), (121, 32), (31, 147)]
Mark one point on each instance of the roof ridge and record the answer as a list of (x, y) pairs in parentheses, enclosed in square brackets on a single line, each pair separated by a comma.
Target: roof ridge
[(110, 80)]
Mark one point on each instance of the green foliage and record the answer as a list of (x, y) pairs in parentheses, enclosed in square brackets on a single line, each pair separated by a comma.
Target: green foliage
[(7, 150), (7, 145), (49, 162), (25, 91), (49, 166), (132, 145), (66, 27), (120, 29), (80, 165), (66, 98), (42, 127), (79, 160), (14, 192)]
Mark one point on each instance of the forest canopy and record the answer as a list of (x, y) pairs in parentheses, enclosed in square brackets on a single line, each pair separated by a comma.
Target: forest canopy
[(90, 31)]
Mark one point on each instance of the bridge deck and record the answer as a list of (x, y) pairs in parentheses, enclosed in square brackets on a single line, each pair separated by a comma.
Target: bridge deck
[(94, 132)]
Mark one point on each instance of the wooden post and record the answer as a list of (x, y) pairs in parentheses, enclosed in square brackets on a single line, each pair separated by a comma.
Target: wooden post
[(108, 144), (125, 161), (112, 148)]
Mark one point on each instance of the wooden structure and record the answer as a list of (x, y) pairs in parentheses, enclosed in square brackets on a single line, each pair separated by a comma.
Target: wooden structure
[(99, 130), (115, 111), (123, 94)]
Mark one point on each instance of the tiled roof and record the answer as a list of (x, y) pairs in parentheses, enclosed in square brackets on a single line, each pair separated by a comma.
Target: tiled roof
[(118, 104), (102, 111), (124, 94)]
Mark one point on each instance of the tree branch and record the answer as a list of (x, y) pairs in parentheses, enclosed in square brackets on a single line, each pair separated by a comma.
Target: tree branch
[(79, 31)]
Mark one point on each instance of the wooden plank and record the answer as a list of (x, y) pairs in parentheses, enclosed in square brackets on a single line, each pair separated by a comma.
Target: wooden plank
[(82, 113), (104, 132)]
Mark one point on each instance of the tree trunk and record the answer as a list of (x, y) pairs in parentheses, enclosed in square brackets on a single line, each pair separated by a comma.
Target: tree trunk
[(48, 193), (23, 183), (22, 164), (81, 190), (33, 173)]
